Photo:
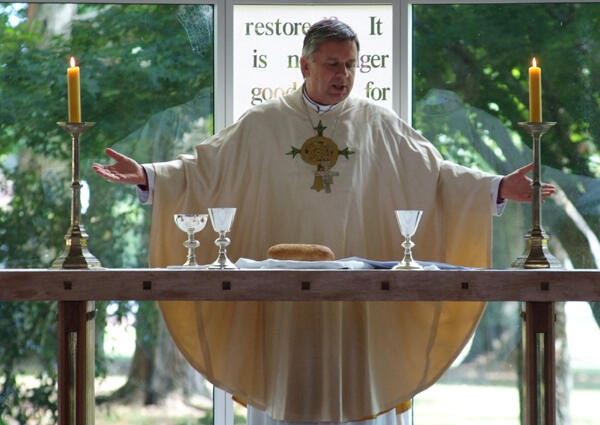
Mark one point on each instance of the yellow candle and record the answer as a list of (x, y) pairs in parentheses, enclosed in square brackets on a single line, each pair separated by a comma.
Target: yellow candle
[(73, 91), (535, 92)]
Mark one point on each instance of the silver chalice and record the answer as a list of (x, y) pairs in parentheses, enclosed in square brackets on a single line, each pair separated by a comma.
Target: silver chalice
[(222, 219), (191, 224), (408, 220)]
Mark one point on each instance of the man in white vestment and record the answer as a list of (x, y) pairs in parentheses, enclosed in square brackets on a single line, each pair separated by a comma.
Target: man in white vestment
[(320, 166)]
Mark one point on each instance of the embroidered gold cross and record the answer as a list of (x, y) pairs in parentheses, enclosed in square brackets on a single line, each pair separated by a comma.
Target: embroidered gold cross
[(322, 152)]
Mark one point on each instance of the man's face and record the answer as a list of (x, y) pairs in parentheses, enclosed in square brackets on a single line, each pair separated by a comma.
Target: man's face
[(329, 74)]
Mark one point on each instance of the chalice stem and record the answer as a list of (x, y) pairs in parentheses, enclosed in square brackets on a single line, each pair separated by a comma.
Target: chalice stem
[(222, 242), (408, 244), (191, 244)]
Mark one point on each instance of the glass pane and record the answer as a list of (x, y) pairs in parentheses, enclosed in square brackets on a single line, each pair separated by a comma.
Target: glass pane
[(267, 45), (482, 386), (470, 80), (146, 75), (470, 83), (582, 363)]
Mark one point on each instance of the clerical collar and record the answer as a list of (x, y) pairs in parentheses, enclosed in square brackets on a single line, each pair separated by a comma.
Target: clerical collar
[(317, 107)]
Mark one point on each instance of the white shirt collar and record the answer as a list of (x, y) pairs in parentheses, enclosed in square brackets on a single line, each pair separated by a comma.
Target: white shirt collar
[(317, 107)]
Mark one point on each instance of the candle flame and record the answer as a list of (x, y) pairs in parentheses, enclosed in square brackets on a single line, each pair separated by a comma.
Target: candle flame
[(533, 62), (72, 61)]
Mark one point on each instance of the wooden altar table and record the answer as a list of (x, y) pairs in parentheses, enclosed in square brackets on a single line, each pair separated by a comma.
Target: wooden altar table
[(76, 291)]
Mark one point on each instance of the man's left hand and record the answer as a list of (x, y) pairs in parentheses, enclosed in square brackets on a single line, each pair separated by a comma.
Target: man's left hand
[(516, 186)]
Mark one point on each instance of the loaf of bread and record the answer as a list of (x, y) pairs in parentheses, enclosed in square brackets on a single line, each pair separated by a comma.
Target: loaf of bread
[(300, 252)]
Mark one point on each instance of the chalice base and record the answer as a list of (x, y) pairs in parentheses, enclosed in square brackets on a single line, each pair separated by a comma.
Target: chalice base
[(76, 254), (192, 265), (188, 267), (407, 262), (536, 254), (407, 265), (222, 264)]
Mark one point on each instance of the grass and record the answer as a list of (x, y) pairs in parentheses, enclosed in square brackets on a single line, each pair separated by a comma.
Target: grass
[(460, 398), (441, 404), (173, 412)]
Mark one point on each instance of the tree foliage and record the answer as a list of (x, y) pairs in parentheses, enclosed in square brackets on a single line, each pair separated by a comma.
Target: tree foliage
[(485, 61)]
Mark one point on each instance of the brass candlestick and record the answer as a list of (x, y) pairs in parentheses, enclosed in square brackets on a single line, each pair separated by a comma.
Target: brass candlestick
[(536, 255), (76, 254)]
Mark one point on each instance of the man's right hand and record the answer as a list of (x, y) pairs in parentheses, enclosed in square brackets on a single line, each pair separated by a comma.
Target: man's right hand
[(125, 170)]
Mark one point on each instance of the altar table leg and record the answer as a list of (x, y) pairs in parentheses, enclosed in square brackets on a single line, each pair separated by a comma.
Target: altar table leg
[(76, 331), (540, 377)]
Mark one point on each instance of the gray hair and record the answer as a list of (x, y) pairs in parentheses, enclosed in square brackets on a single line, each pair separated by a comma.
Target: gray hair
[(325, 30)]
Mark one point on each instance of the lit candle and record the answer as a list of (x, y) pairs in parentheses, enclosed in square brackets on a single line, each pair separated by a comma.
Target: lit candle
[(73, 91), (535, 92)]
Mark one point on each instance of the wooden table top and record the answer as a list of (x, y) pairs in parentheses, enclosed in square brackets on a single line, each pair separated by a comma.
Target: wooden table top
[(299, 285)]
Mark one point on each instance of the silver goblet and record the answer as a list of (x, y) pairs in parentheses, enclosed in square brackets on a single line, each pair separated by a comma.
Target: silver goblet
[(408, 220), (222, 219), (191, 223)]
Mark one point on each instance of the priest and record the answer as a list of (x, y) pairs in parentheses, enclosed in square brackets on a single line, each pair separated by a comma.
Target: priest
[(320, 166)]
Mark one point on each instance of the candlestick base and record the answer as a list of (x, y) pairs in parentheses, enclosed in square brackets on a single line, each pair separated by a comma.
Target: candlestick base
[(76, 254), (536, 254)]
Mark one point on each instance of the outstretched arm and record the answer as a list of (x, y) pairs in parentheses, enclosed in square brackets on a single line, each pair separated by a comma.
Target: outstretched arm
[(125, 170), (516, 186)]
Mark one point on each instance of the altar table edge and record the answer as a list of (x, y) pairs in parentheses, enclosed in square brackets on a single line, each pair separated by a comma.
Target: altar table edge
[(299, 285)]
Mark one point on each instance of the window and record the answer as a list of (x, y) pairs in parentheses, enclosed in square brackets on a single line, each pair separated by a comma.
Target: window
[(268, 45), (470, 91), (147, 82)]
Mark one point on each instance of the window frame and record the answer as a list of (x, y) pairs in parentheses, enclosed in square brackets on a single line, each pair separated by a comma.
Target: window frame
[(223, 73), (397, 77)]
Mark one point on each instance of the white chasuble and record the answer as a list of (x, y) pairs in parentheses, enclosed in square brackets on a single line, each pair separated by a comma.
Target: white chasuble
[(322, 361)]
